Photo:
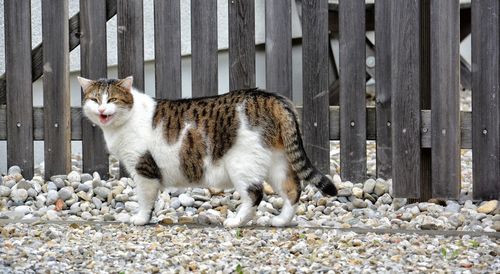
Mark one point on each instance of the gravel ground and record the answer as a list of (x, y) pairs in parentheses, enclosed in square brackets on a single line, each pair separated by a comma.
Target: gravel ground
[(120, 248)]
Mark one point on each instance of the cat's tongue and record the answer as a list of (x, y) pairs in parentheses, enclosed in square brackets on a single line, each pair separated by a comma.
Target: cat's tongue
[(104, 118)]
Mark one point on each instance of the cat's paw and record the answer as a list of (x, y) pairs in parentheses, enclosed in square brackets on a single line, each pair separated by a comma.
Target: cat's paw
[(139, 219), (233, 222), (279, 221)]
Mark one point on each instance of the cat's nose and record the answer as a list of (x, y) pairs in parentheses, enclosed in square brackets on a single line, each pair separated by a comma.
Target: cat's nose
[(101, 109)]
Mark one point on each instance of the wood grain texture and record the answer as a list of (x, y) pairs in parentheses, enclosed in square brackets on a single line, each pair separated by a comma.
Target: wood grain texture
[(204, 47), (485, 99), (56, 94), (93, 62), (74, 41), (167, 49), (315, 82), (334, 124), (241, 44), (352, 90), (19, 87), (130, 28), (425, 96), (279, 47), (383, 87), (445, 58), (405, 92)]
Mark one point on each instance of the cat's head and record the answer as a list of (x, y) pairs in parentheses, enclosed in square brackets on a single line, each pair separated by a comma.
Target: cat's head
[(107, 102)]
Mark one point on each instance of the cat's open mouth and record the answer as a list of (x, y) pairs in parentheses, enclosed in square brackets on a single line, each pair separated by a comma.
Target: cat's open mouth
[(105, 118)]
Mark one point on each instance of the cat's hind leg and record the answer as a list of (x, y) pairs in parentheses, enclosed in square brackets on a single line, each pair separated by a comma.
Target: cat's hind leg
[(251, 195), (286, 183)]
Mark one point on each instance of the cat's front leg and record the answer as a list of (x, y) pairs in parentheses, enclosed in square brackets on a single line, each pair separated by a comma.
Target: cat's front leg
[(147, 192)]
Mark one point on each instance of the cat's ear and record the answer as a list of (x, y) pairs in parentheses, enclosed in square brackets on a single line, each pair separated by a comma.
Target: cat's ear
[(126, 83), (84, 82)]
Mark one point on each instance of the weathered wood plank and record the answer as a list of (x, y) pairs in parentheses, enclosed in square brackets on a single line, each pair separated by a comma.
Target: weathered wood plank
[(405, 92), (383, 87), (352, 90), (93, 66), (241, 44), (445, 98), (279, 47), (130, 27), (334, 122), (425, 97), (315, 82), (486, 98), (204, 47), (74, 41), (168, 49), (56, 95), (19, 87)]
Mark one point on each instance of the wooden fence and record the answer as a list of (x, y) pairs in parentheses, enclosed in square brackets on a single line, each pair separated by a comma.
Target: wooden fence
[(416, 123)]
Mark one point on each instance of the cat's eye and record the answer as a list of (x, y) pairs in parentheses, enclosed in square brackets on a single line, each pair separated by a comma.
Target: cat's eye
[(111, 100), (94, 99)]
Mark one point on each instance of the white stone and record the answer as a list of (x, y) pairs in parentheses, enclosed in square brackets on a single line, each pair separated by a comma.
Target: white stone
[(23, 209), (52, 197), (186, 200), (74, 176), (122, 217), (19, 195), (4, 191), (358, 192), (52, 215), (131, 206)]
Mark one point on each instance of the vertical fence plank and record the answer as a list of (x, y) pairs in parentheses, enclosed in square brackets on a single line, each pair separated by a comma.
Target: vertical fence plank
[(279, 47), (204, 47), (352, 90), (405, 90), (315, 82), (241, 44), (485, 99), (131, 41), (445, 97), (56, 95), (93, 66), (167, 49), (19, 88), (383, 87)]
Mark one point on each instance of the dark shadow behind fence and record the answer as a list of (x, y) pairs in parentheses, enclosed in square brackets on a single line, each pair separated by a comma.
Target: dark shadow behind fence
[(417, 122)]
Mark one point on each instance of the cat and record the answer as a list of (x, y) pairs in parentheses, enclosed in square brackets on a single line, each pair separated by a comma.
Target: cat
[(238, 140)]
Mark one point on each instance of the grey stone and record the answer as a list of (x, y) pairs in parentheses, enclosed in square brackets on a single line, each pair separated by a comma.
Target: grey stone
[(131, 206), (342, 199), (470, 205), (19, 195), (23, 209), (86, 215), (52, 215), (10, 183), (358, 203), (97, 202), (23, 184), (102, 192), (14, 170), (51, 186), (380, 188), (121, 197), (73, 176), (369, 197), (175, 203), (52, 197), (263, 221), (398, 203), (4, 191), (75, 208), (452, 206), (186, 200), (66, 193), (385, 199), (369, 185), (108, 217), (201, 198), (83, 187), (345, 192), (85, 177), (59, 183)]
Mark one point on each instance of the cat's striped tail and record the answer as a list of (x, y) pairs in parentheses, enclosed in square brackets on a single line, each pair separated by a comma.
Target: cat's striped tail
[(294, 149)]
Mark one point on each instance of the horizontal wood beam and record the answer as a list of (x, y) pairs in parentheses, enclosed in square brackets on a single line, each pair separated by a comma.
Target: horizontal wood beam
[(76, 128)]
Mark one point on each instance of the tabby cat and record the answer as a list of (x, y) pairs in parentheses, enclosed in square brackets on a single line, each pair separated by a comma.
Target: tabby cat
[(238, 140)]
